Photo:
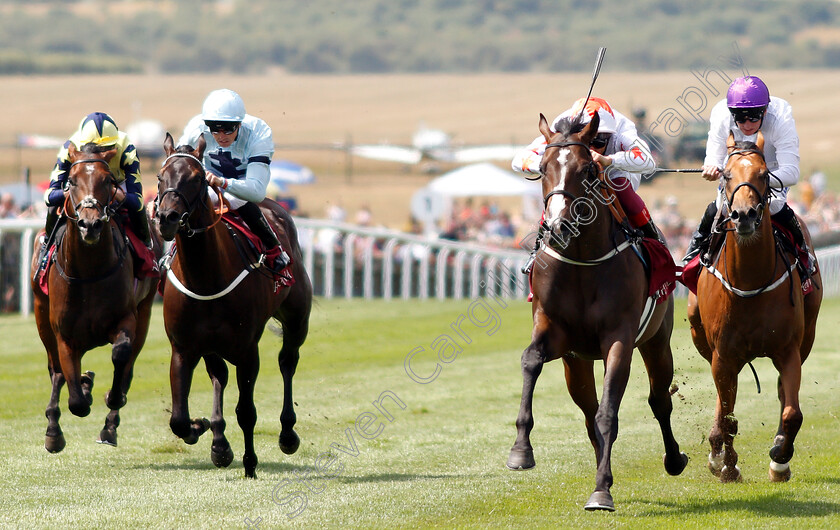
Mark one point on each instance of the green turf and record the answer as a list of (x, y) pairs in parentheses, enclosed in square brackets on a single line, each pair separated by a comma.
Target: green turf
[(437, 462)]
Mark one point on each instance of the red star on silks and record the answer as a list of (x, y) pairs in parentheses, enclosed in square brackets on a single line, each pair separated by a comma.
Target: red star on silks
[(637, 153)]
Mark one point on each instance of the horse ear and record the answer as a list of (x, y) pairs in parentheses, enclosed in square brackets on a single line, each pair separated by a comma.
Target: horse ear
[(730, 142), (591, 129), (71, 150), (108, 155), (759, 141), (545, 129), (199, 149), (168, 144)]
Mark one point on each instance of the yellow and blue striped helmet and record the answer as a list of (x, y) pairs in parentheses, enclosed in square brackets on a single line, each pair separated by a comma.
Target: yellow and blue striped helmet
[(97, 128)]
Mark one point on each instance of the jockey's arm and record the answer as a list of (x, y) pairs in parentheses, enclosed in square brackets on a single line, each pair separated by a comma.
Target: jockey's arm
[(716, 142), (130, 165), (528, 159), (54, 195), (787, 153), (251, 188), (634, 157)]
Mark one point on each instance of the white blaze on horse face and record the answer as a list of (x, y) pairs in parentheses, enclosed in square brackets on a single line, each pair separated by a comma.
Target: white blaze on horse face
[(558, 202)]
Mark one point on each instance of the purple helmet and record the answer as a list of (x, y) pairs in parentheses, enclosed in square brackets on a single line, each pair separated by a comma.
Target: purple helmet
[(746, 93)]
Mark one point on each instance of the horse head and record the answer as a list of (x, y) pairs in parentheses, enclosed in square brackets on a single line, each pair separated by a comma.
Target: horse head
[(746, 185), (182, 186), (569, 177), (91, 188)]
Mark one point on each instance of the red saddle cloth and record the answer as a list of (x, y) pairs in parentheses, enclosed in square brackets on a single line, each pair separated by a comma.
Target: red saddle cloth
[(284, 276), (145, 264), (663, 270)]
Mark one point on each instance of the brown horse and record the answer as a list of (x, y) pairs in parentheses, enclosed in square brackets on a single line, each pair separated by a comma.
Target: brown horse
[(749, 304), (589, 297), (93, 298), (220, 309)]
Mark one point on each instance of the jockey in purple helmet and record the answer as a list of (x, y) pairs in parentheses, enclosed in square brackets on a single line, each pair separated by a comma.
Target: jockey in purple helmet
[(748, 109)]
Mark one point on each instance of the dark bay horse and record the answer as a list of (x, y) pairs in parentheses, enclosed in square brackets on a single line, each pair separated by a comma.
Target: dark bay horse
[(589, 296), (221, 307), (94, 298), (749, 305)]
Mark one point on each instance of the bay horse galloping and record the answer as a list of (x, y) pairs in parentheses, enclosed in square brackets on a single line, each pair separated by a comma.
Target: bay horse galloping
[(750, 304), (589, 297), (93, 297), (216, 304)]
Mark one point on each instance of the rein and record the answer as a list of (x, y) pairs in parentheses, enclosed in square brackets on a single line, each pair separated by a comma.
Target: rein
[(184, 221), (611, 204), (765, 200)]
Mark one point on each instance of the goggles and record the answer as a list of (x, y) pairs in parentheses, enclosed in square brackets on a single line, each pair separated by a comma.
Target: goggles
[(600, 141), (752, 115), (225, 127)]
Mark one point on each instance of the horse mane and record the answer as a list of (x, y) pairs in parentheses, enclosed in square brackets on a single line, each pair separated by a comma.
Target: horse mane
[(745, 146), (569, 126), (184, 149), (91, 147)]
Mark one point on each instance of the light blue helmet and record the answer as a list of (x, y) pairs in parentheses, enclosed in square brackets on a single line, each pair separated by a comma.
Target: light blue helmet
[(223, 105)]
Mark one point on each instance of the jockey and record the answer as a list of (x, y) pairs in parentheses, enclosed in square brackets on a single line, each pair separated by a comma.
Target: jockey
[(748, 108), (100, 130), (616, 148), (238, 152)]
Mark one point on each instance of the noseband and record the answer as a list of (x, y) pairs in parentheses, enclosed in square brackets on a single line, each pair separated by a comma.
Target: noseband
[(183, 221), (765, 197), (106, 210), (569, 195)]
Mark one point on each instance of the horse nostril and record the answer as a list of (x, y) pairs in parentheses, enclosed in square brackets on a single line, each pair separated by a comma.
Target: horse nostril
[(752, 214), (169, 218), (734, 215), (97, 225)]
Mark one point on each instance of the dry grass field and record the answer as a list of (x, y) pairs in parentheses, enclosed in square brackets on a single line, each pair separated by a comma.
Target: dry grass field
[(325, 110)]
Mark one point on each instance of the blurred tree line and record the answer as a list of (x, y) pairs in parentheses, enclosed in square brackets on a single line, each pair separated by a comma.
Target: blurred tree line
[(375, 36)]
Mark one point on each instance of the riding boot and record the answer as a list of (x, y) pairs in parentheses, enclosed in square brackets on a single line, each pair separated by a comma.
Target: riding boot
[(253, 216), (649, 230), (526, 269), (787, 218), (700, 239), (49, 235), (140, 224)]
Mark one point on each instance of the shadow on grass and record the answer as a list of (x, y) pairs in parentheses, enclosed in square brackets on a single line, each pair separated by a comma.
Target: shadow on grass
[(774, 505)]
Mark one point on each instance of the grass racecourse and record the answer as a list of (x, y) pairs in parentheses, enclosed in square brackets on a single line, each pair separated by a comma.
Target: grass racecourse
[(435, 453)]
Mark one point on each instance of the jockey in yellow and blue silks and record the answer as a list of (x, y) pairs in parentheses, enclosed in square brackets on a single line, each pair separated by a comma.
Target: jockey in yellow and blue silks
[(99, 129)]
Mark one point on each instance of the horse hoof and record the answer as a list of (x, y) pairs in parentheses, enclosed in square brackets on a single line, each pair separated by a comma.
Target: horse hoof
[(675, 468), (600, 500), (289, 443), (107, 437), (87, 381), (521, 459), (779, 472), (251, 473), (728, 474), (55, 444), (221, 457), (114, 404)]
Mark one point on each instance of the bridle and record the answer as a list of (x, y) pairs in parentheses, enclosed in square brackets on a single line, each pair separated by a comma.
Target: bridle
[(184, 220), (105, 210), (590, 168), (765, 196)]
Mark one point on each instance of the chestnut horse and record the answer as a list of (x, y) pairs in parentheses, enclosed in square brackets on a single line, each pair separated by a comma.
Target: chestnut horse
[(749, 304), (221, 305), (93, 297), (588, 301)]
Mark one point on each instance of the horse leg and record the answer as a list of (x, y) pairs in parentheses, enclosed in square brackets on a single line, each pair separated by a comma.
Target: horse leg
[(580, 380), (790, 376), (698, 332), (723, 459), (122, 352), (79, 400), (54, 441), (617, 359), (246, 412), (293, 338), (220, 452), (659, 363), (522, 454), (181, 369)]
